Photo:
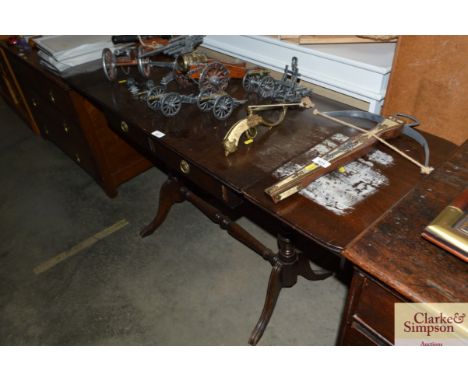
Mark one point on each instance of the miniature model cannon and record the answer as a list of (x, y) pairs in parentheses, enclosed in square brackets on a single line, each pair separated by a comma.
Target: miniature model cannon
[(284, 90), (126, 57), (220, 104), (175, 47), (169, 104)]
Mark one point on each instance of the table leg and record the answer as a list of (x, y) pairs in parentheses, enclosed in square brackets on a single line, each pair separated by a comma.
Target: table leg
[(169, 195), (288, 265)]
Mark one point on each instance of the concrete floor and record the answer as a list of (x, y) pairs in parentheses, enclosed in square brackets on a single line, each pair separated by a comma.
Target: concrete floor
[(188, 284)]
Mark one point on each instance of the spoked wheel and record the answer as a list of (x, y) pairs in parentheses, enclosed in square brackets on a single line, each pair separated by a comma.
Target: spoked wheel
[(250, 82), (153, 99), (171, 104), (205, 100), (223, 107), (108, 64), (267, 86), (144, 65), (214, 77)]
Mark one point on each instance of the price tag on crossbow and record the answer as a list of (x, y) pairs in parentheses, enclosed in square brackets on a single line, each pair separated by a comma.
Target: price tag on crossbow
[(321, 162), (158, 134)]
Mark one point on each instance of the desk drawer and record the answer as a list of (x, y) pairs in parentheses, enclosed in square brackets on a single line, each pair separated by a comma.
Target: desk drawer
[(376, 308), (63, 130), (370, 312), (176, 163)]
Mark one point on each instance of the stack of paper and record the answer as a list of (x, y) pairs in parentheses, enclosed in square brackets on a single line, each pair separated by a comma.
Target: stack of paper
[(60, 53)]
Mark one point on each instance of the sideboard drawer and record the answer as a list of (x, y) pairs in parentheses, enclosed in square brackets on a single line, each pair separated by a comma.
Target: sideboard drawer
[(174, 162), (370, 312), (376, 308)]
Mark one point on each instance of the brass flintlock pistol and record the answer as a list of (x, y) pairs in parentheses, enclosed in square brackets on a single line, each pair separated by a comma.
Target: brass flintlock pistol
[(350, 150), (249, 124)]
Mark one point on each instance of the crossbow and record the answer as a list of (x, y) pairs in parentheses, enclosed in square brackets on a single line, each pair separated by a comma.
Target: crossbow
[(351, 149)]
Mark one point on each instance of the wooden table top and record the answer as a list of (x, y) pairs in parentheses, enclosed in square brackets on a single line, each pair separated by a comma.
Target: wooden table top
[(394, 251), (197, 137)]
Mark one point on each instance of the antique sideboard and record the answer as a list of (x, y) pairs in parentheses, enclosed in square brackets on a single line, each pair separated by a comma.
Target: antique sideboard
[(114, 137)]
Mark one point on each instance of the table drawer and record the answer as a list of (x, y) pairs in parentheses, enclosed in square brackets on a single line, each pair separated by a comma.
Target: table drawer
[(63, 130), (173, 161), (358, 335), (376, 308)]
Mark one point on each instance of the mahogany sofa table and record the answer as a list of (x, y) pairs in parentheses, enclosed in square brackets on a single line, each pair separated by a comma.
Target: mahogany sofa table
[(189, 149)]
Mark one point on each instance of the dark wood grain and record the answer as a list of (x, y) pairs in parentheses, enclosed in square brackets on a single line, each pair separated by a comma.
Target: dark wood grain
[(335, 231), (395, 253)]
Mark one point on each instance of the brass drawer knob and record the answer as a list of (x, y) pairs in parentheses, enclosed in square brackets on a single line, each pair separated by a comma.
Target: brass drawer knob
[(51, 97), (184, 166), (66, 128), (77, 158), (34, 103), (124, 126)]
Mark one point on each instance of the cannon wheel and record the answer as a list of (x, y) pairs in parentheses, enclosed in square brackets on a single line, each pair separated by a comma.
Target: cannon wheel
[(223, 107), (205, 100), (171, 104), (153, 99), (144, 66), (108, 64), (250, 81), (267, 86), (214, 77)]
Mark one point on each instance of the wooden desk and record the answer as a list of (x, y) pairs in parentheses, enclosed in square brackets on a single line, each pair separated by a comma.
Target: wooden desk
[(192, 154), (396, 264), (67, 119)]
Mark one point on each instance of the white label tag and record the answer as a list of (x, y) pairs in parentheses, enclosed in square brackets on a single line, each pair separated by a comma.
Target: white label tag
[(158, 134), (321, 162)]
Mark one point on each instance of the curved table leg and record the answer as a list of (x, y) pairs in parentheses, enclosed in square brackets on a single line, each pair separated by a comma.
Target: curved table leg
[(273, 291), (169, 194), (288, 265), (308, 273)]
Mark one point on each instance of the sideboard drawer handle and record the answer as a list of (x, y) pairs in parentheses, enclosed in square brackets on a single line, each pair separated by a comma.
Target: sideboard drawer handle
[(33, 101), (51, 96), (66, 127), (124, 126), (184, 166), (77, 158)]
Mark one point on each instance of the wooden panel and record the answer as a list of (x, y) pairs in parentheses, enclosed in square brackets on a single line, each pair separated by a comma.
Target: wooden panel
[(356, 335), (376, 308), (369, 314), (394, 251), (12, 92), (430, 80)]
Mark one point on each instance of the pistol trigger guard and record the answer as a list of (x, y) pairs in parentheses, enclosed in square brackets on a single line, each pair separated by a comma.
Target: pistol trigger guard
[(251, 133)]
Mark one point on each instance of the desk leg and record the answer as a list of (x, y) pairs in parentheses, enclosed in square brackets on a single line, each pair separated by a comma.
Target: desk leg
[(288, 265), (169, 195)]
